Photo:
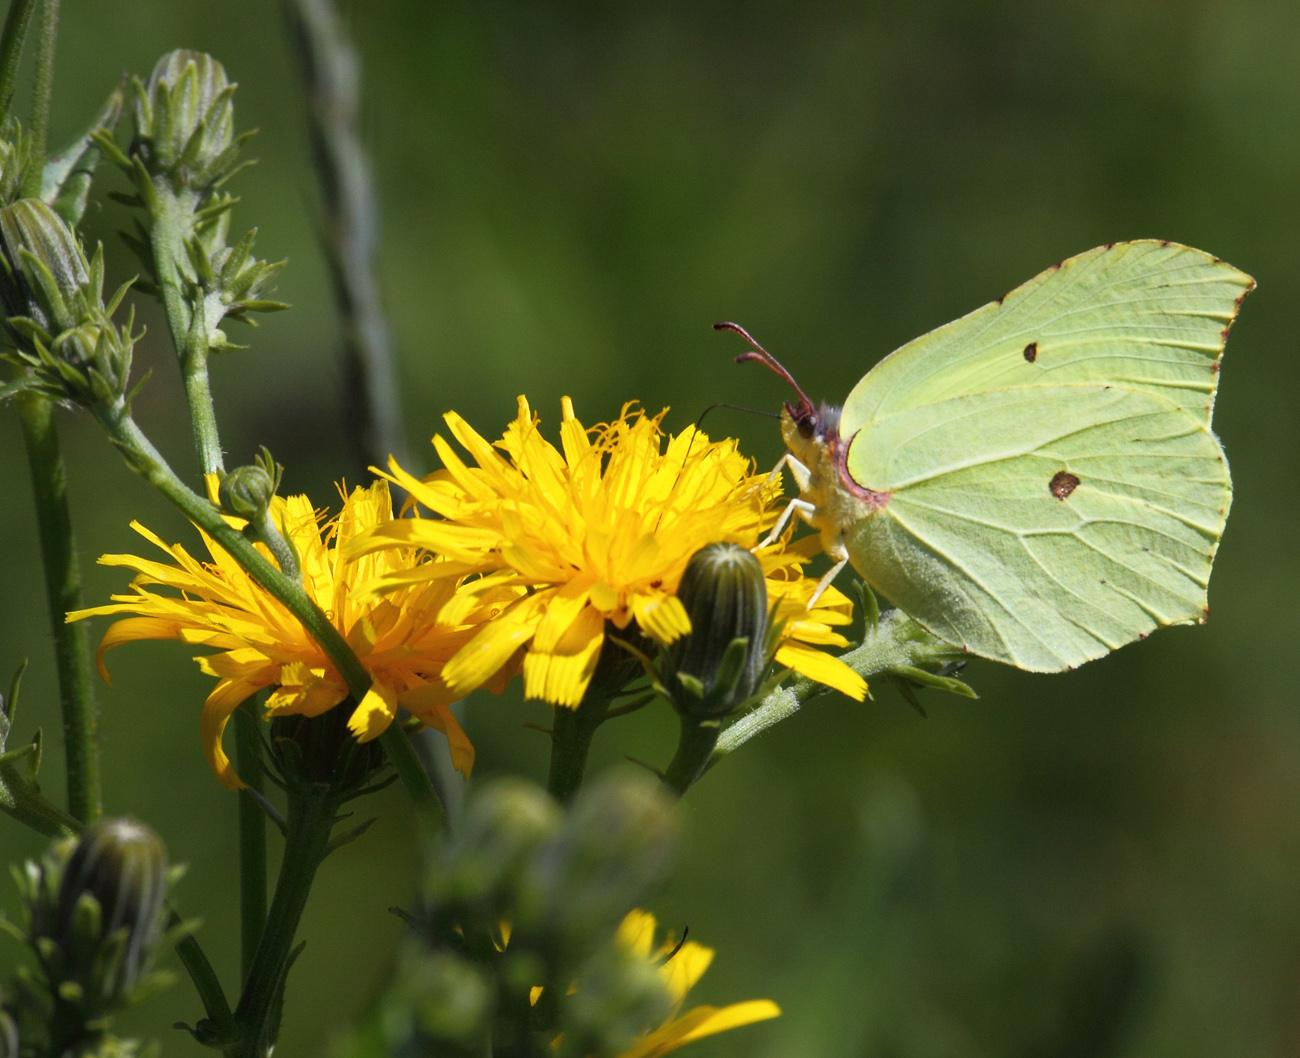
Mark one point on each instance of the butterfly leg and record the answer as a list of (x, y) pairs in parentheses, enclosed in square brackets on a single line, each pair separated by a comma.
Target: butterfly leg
[(825, 582), (802, 507), (801, 474)]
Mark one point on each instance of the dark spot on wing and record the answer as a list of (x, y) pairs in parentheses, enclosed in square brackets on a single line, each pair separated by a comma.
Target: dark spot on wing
[(1214, 367), (1062, 484), (1164, 242), (1031, 352), (1109, 246)]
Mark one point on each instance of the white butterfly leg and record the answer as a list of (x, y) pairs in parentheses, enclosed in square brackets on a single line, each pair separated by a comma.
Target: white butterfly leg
[(802, 507), (825, 582)]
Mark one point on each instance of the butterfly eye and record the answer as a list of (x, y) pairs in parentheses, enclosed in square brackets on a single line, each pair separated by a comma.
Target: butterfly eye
[(807, 426)]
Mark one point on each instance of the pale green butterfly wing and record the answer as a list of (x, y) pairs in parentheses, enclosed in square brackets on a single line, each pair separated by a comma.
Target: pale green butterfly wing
[(1041, 526), (1144, 315)]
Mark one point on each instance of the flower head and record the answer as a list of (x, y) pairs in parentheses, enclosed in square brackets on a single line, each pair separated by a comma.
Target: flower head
[(680, 967), (596, 534), (403, 639)]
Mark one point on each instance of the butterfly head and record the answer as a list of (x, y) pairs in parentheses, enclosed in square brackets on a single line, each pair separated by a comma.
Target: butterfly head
[(805, 428)]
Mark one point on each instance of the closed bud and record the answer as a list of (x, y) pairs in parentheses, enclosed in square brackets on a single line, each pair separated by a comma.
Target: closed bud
[(720, 663), (55, 316), (185, 120), (112, 893), (246, 491), (615, 847), (475, 876), (320, 752)]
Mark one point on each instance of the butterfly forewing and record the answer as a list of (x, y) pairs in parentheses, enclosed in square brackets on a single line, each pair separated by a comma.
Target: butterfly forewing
[(1042, 527), (1143, 315)]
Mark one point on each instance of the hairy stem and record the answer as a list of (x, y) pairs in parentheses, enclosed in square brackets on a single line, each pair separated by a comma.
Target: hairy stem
[(42, 93), (310, 820), (63, 593), (170, 222), (331, 80), (252, 838), (571, 733), (11, 50)]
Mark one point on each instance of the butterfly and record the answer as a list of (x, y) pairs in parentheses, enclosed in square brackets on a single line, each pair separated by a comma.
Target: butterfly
[(1036, 482)]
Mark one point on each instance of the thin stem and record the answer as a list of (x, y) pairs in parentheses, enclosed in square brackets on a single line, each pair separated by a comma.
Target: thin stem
[(42, 93), (11, 50), (410, 770), (571, 733), (145, 460), (252, 837), (205, 982), (331, 80), (170, 222), (694, 749), (310, 819), (63, 594)]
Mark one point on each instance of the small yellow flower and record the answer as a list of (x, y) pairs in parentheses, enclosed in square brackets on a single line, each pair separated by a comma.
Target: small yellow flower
[(679, 975), (593, 534), (403, 639)]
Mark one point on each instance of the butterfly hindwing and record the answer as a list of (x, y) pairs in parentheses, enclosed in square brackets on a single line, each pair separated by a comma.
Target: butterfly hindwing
[(1041, 526)]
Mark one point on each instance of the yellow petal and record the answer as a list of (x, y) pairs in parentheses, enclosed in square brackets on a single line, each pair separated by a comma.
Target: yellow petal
[(823, 668), (561, 676), (377, 710), (479, 659), (683, 970), (223, 701), (661, 617), (431, 703)]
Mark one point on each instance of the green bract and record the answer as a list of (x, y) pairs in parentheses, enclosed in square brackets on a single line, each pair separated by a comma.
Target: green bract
[(57, 323)]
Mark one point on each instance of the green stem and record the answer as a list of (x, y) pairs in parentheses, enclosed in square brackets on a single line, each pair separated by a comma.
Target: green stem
[(571, 733), (205, 982), (311, 817), (63, 593), (145, 460), (42, 93), (252, 837), (20, 801), (11, 50), (171, 219), (411, 773), (694, 750)]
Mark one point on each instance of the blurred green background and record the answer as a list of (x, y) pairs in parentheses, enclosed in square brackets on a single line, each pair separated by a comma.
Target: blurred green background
[(1099, 863)]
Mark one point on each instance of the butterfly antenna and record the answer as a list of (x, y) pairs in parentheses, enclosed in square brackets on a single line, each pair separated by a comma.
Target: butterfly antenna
[(767, 359)]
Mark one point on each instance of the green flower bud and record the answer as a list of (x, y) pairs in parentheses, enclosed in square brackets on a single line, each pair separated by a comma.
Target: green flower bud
[(475, 877), (720, 663), (246, 492), (615, 847), (56, 320), (622, 993), (437, 997), (111, 895), (316, 751), (185, 120)]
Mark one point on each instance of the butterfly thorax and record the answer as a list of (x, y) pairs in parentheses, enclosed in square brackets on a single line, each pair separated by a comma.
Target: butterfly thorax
[(841, 505)]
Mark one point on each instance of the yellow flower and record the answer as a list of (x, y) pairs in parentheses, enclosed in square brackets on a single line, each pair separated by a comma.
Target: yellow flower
[(680, 972), (400, 639), (596, 533)]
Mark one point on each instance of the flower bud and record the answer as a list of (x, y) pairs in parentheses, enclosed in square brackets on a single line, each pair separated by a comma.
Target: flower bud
[(55, 315), (185, 120), (246, 491), (615, 847), (113, 886), (476, 875), (315, 751), (720, 664)]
